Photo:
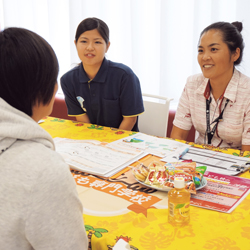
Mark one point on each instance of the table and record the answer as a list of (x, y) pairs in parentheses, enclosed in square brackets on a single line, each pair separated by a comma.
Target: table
[(122, 208)]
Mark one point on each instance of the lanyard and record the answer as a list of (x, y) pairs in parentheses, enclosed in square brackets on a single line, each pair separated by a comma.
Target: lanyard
[(210, 133)]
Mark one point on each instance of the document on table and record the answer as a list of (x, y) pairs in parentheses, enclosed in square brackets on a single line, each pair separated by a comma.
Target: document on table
[(94, 157), (162, 147), (222, 193), (217, 162)]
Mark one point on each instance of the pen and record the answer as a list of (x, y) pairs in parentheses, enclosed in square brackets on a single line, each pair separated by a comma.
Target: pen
[(183, 153)]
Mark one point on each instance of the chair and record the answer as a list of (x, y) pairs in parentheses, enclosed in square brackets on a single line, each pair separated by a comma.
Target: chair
[(60, 108), (154, 120), (192, 133)]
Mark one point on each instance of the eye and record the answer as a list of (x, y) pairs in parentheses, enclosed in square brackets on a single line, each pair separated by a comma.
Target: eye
[(200, 50), (98, 42), (214, 49), (83, 41)]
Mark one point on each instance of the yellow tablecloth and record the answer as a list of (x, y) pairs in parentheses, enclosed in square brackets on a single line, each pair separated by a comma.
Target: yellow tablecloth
[(109, 217)]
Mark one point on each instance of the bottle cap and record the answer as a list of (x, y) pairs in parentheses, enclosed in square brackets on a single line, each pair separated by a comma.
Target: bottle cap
[(179, 182)]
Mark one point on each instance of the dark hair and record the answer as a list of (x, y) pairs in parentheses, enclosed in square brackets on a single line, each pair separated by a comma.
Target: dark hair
[(231, 36), (28, 69), (92, 23)]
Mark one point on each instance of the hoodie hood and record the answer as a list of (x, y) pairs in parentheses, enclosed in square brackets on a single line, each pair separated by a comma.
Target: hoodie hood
[(16, 125)]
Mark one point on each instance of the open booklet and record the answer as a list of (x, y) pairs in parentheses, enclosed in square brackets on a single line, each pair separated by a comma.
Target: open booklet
[(94, 157)]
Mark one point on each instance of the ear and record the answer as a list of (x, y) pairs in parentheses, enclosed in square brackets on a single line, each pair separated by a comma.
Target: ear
[(236, 54), (107, 47), (75, 42)]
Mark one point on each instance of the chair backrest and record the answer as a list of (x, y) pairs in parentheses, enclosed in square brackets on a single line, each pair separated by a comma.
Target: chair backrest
[(60, 109), (154, 120)]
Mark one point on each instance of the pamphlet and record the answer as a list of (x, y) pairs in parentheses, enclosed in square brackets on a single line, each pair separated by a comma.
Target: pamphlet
[(222, 193)]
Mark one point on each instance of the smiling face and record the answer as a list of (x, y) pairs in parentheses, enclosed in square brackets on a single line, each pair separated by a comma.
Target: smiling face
[(91, 48), (214, 57)]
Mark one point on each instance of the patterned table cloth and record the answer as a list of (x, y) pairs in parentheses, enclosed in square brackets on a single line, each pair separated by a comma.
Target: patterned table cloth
[(123, 208)]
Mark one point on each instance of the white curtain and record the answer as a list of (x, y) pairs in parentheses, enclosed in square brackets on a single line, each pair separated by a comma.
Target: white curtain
[(156, 38)]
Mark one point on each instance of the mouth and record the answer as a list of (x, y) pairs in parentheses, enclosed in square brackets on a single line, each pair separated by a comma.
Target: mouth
[(89, 55), (207, 66)]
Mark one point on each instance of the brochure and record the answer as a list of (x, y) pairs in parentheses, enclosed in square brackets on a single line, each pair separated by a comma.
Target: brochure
[(222, 193)]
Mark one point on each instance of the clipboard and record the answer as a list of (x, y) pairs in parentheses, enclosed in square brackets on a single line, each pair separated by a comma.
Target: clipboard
[(218, 162)]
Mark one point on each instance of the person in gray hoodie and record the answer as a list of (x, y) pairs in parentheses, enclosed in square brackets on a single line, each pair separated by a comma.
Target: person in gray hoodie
[(39, 204)]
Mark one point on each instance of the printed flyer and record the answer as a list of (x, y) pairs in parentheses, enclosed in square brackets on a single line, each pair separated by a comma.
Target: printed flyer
[(222, 193)]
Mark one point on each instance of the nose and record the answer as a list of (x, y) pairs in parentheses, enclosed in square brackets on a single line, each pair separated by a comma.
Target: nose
[(90, 46), (206, 56)]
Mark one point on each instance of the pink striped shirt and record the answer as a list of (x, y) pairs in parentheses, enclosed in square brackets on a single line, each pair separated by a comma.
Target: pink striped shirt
[(234, 130)]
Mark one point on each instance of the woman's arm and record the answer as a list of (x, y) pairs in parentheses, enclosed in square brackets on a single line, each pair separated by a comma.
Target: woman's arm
[(246, 128), (178, 133), (83, 118), (245, 148), (131, 103), (128, 123)]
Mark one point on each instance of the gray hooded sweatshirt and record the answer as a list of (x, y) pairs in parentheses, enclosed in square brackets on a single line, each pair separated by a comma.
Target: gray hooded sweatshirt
[(39, 204)]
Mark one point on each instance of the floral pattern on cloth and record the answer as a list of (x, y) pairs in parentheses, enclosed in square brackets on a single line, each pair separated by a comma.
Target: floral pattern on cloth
[(207, 229)]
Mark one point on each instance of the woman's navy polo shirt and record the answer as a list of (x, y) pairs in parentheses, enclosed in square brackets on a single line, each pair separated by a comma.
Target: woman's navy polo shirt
[(113, 93)]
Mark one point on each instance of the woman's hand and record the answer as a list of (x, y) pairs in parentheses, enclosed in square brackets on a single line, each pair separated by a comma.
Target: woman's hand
[(128, 123), (83, 118), (179, 134)]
